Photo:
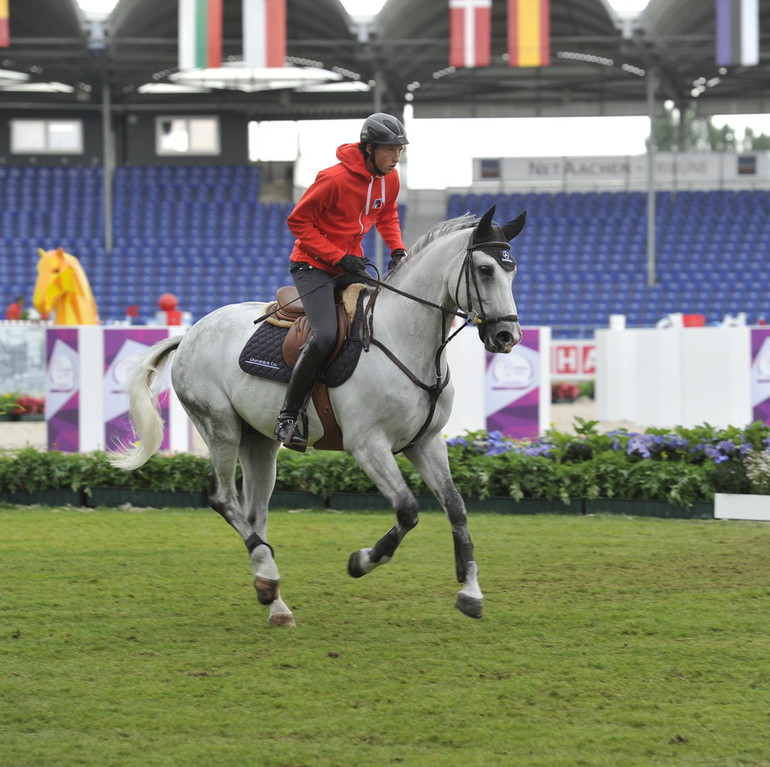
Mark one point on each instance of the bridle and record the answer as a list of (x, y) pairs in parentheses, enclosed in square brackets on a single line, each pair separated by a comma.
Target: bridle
[(478, 318), (470, 316)]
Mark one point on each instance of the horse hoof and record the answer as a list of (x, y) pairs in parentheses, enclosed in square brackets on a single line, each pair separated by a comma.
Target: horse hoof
[(469, 606), (267, 590), (355, 564), (285, 620)]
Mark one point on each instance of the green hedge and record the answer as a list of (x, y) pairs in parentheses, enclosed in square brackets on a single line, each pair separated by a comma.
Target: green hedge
[(680, 466)]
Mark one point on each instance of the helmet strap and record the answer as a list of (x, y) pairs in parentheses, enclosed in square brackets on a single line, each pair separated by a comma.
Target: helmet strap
[(370, 158)]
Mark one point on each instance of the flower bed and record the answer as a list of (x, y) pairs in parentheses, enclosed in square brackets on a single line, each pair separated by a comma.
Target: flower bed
[(682, 467)]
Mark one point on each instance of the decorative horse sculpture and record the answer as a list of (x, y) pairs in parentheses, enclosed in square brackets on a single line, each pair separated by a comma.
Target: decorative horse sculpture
[(461, 267), (63, 288)]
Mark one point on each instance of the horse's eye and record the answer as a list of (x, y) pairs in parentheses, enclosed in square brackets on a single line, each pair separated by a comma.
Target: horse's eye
[(486, 270)]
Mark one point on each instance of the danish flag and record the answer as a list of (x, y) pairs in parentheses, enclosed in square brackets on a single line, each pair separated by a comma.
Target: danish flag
[(470, 33)]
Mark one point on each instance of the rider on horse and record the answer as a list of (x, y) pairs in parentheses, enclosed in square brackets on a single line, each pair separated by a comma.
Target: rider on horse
[(329, 222)]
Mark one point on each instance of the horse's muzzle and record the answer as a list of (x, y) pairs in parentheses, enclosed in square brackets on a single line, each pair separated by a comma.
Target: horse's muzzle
[(500, 337)]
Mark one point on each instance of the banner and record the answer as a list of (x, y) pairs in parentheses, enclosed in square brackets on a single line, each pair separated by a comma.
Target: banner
[(470, 33), (121, 348), (5, 29), (62, 395), (200, 34), (574, 360), (737, 33), (529, 33), (760, 374), (518, 392), (264, 33)]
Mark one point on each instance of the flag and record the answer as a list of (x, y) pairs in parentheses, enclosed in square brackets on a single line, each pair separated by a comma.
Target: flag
[(737, 33), (264, 33), (529, 33), (200, 34), (5, 29), (470, 33)]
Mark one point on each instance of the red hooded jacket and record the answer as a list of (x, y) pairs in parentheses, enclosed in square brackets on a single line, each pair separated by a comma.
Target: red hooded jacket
[(340, 207)]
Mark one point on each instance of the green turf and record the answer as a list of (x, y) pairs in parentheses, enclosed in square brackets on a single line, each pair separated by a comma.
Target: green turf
[(134, 638)]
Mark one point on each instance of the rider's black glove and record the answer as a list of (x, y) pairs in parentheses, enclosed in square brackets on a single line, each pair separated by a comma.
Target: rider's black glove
[(395, 258), (355, 265)]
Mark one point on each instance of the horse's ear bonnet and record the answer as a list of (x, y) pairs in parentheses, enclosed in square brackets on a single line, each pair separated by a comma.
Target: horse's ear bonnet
[(491, 238)]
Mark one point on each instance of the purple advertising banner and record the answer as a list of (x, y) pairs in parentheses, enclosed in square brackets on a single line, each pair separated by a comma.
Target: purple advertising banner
[(121, 347), (62, 384), (513, 389), (760, 374)]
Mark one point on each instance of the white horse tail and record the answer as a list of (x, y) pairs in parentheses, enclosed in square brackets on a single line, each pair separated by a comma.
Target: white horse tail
[(143, 389)]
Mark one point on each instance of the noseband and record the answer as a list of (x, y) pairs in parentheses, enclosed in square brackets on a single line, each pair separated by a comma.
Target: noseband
[(477, 317)]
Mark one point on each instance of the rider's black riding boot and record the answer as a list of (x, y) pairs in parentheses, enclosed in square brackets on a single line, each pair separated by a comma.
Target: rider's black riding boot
[(303, 376)]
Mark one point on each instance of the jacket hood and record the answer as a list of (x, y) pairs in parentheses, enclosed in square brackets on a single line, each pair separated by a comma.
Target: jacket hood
[(350, 156)]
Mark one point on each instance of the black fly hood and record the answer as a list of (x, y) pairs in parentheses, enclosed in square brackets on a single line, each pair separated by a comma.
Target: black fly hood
[(494, 240)]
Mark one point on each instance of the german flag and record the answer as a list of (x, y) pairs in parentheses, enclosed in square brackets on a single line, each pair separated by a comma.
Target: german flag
[(529, 33)]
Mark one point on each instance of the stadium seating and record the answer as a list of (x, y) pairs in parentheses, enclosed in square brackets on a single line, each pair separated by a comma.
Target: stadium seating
[(202, 233), (583, 256)]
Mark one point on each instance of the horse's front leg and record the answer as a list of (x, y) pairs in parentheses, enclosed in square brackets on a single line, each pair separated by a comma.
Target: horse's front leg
[(430, 459), (364, 561), (381, 467)]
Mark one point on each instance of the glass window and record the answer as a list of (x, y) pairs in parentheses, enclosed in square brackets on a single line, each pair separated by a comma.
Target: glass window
[(47, 136), (187, 135)]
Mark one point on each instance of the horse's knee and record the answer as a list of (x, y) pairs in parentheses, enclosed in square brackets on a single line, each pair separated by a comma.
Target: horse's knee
[(407, 514)]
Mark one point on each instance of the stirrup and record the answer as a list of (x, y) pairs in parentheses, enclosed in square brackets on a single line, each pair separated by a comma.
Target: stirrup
[(287, 432)]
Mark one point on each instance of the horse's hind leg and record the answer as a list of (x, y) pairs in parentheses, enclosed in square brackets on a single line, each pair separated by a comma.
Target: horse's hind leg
[(222, 431), (258, 464), (433, 464)]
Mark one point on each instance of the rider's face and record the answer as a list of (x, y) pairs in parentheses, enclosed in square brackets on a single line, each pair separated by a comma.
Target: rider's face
[(387, 156)]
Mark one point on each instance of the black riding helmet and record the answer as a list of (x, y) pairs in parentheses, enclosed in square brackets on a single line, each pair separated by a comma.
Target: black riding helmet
[(381, 128)]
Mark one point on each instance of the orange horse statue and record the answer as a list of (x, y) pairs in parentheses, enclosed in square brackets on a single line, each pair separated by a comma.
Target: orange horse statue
[(63, 288)]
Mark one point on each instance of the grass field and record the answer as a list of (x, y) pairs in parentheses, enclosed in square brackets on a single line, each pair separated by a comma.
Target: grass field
[(133, 638)]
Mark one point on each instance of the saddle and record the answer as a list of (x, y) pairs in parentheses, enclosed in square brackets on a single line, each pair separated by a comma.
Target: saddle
[(290, 313), (274, 348)]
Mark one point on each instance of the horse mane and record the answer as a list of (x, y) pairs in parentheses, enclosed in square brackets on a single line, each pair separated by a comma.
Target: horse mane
[(466, 221)]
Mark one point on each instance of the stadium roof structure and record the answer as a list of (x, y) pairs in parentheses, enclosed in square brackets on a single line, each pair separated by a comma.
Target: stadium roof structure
[(342, 69)]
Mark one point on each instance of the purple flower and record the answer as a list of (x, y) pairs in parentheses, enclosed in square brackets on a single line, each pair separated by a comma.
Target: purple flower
[(637, 445)]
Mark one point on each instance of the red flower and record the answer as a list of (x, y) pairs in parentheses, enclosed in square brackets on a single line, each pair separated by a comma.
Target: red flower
[(564, 392), (28, 405)]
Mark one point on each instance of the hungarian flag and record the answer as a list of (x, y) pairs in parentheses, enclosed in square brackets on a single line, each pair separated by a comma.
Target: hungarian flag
[(470, 33), (529, 33), (264, 33), (5, 30), (200, 34), (737, 34)]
